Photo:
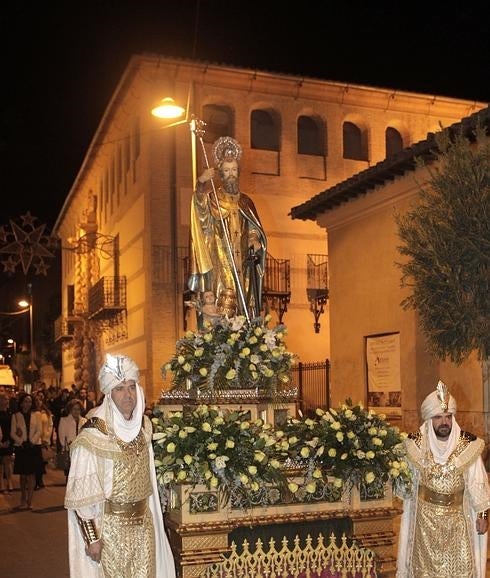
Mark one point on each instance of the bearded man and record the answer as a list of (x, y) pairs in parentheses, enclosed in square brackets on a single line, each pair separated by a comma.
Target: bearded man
[(228, 243), (443, 532), (115, 523)]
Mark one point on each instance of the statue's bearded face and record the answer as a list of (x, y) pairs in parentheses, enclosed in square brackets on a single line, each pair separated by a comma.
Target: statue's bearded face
[(229, 173)]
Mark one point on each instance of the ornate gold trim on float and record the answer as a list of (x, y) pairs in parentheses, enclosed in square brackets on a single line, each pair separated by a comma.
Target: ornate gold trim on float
[(202, 538)]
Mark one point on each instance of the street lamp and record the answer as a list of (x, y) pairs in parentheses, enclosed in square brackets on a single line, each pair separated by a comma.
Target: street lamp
[(27, 305), (13, 356), (12, 344)]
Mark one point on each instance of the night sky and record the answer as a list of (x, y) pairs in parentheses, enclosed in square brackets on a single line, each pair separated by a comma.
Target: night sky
[(62, 61)]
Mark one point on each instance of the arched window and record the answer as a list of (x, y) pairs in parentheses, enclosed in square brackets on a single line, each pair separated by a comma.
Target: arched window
[(219, 122), (393, 141), (311, 139), (264, 131), (355, 142)]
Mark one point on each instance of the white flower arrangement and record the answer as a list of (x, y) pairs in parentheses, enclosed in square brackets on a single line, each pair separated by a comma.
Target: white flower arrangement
[(227, 451), (355, 445), (232, 353)]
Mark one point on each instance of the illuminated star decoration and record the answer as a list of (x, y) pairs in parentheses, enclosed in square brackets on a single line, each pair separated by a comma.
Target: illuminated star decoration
[(25, 245)]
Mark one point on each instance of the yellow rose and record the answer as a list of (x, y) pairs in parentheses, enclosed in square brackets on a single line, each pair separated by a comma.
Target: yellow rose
[(229, 444), (332, 452), (181, 476), (310, 488), (370, 455), (188, 459), (206, 427), (214, 482), (338, 483), (199, 352), (259, 456), (369, 477), (244, 479), (182, 434), (252, 470), (203, 371), (305, 452), (231, 374), (171, 448), (293, 487)]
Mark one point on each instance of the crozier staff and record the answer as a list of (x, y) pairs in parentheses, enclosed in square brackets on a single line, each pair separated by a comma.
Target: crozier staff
[(443, 530), (115, 524)]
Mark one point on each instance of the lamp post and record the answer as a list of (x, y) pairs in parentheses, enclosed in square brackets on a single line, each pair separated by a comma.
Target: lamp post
[(13, 344), (27, 305), (170, 112)]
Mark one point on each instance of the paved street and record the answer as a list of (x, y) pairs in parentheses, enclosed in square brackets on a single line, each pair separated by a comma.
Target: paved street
[(34, 543)]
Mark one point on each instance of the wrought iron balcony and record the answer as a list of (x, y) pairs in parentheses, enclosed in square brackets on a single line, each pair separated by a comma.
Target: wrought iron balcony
[(64, 329), (276, 287), (317, 285), (107, 298)]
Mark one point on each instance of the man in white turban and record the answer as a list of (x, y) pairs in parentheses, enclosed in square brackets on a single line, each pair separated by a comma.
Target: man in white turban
[(443, 531), (115, 523)]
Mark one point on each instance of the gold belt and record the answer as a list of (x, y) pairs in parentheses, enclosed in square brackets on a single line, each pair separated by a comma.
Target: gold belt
[(129, 510), (455, 499)]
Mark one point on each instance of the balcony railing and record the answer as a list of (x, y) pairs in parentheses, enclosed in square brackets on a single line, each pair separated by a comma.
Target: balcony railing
[(276, 287), (64, 329), (107, 298)]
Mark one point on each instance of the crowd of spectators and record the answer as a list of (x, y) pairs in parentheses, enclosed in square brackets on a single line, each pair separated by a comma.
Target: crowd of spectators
[(29, 432)]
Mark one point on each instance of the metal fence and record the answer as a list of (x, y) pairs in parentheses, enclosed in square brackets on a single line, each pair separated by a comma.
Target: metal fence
[(313, 383)]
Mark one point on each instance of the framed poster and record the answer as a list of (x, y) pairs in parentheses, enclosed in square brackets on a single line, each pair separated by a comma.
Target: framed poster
[(383, 373)]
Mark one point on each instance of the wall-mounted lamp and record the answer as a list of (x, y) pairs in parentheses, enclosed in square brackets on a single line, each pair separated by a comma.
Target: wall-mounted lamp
[(317, 285)]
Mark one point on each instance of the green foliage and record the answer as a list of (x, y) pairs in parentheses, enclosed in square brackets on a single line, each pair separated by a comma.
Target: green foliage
[(446, 238)]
